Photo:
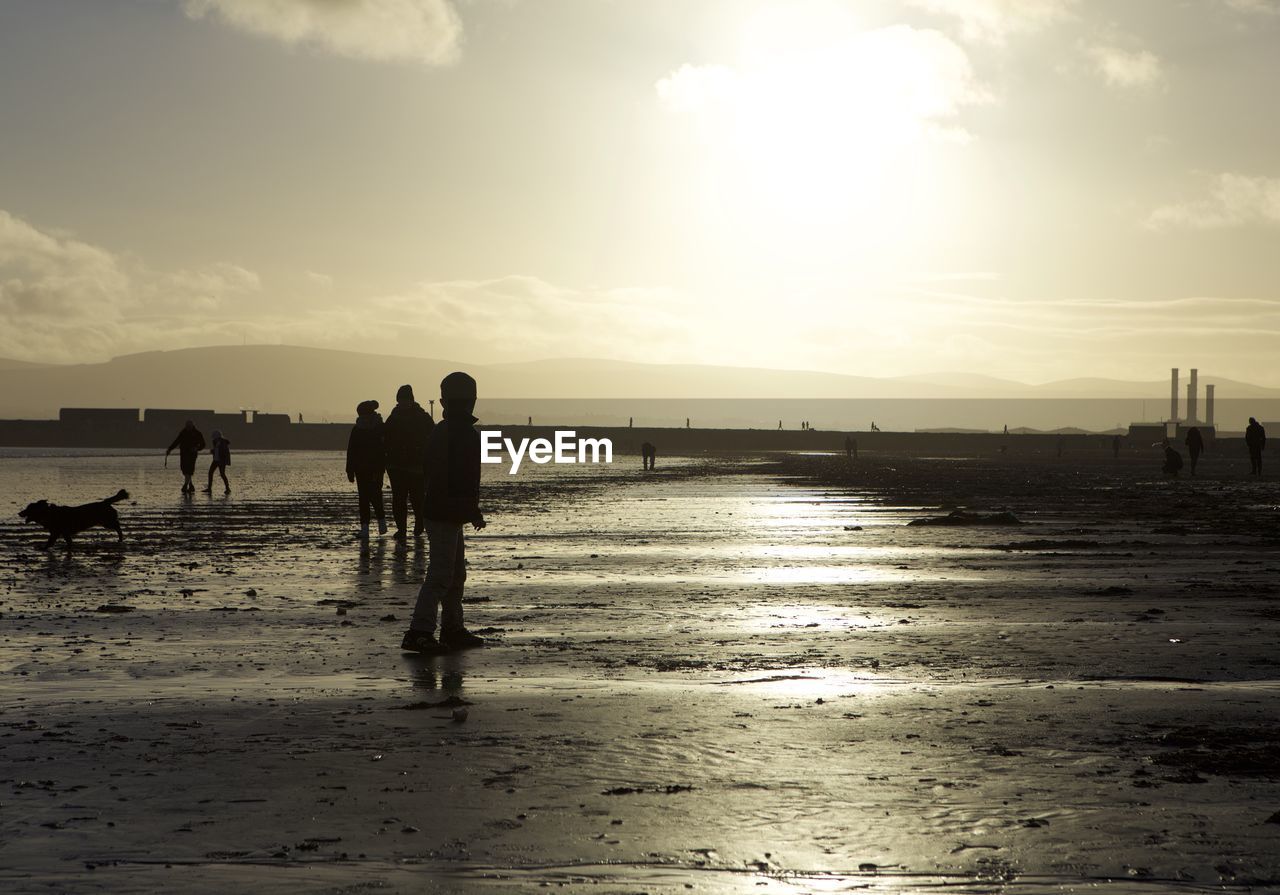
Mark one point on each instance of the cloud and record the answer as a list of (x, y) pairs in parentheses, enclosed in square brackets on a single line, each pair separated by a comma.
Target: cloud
[(424, 31), (1266, 7), (869, 85), (1234, 200), (994, 21), (1131, 69), (44, 275), (63, 299)]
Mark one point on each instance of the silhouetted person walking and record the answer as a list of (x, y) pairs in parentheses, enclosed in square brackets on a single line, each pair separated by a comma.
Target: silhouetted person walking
[(1115, 447), (220, 450), (189, 444), (453, 500), (1255, 437), (405, 435), (1172, 461), (648, 455), (366, 462), (850, 447), (1195, 446)]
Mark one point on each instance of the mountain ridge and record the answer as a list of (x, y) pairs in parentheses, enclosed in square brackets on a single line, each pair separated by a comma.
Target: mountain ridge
[(299, 379)]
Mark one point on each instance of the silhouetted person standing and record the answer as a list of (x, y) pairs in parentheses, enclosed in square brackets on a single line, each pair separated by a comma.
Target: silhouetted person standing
[(405, 436), (1255, 437), (1172, 461), (366, 462), (189, 444), (850, 447), (221, 452), (648, 455), (1115, 447), (453, 500), (1195, 446)]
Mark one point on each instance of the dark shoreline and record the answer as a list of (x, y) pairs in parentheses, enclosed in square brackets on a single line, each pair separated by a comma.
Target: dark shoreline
[(284, 435)]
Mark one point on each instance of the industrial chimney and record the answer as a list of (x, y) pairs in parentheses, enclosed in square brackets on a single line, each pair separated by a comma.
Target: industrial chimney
[(1173, 397), (1192, 389), (1208, 405)]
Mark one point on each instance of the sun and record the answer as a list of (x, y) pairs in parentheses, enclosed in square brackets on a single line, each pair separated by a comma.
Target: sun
[(819, 136)]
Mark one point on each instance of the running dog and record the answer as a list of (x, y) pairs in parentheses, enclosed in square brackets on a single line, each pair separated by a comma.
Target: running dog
[(64, 522)]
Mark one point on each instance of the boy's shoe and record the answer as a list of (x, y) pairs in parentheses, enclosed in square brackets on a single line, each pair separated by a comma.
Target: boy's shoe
[(400, 535), (382, 526), (460, 639), (419, 642), (364, 531)]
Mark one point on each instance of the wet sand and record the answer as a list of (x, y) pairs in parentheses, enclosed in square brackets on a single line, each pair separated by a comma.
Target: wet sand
[(728, 675)]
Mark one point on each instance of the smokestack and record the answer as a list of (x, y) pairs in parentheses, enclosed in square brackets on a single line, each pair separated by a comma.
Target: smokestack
[(1192, 394), (1208, 405), (1173, 397)]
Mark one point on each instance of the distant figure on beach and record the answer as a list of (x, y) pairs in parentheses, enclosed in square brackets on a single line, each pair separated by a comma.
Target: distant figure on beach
[(1059, 445), (1172, 461), (1006, 428), (850, 447), (189, 444), (220, 449), (453, 500), (686, 422), (1255, 437), (874, 427), (405, 435), (1195, 446), (366, 462), (1115, 447), (648, 455)]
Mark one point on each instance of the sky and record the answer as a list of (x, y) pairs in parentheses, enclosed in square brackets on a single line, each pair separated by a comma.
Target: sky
[(1030, 189)]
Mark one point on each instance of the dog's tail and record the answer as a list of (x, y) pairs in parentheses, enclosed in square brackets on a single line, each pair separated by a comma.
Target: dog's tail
[(120, 495)]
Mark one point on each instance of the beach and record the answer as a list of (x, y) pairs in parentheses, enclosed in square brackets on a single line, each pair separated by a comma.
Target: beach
[(734, 673)]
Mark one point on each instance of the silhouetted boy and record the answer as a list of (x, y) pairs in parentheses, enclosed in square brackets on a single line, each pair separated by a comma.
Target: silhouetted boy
[(190, 442), (1255, 437), (405, 435), (366, 462), (220, 450), (453, 500), (1195, 446)]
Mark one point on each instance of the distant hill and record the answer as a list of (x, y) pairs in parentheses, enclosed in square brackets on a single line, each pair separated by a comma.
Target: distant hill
[(8, 364), (323, 383)]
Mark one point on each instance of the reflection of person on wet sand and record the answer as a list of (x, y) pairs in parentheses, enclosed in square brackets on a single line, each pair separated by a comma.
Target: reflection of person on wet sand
[(366, 462), (1195, 446), (1172, 461), (1255, 437), (453, 500), (190, 442), (221, 451), (648, 455)]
